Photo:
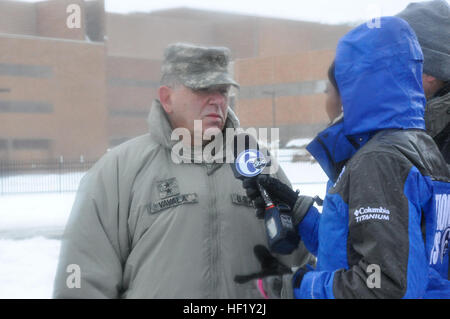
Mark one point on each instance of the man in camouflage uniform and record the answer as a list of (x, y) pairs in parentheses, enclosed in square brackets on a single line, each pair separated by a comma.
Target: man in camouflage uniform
[(152, 223)]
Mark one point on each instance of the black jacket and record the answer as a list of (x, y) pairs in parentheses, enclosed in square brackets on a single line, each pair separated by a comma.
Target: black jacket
[(443, 142)]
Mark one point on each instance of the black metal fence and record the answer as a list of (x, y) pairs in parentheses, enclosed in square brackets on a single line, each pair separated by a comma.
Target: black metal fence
[(58, 175), (47, 176)]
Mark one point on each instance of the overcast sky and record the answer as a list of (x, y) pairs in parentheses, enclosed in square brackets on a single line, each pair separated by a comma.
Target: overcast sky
[(325, 11)]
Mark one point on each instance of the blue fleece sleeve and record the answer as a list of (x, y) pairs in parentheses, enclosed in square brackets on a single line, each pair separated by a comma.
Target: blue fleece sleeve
[(316, 285), (308, 230)]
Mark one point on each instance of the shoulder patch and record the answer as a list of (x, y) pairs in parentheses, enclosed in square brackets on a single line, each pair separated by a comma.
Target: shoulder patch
[(168, 188)]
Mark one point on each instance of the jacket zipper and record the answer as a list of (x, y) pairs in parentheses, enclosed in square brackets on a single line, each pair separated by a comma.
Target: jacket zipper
[(214, 232)]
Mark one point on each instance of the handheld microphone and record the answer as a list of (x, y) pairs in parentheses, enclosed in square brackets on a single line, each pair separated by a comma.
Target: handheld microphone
[(249, 163)]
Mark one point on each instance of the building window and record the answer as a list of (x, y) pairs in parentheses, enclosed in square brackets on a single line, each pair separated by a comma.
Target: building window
[(34, 144), (3, 144), (283, 89), (23, 70), (25, 107), (122, 82), (128, 113)]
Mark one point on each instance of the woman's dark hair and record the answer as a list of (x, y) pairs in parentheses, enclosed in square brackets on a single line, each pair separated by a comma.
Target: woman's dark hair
[(332, 78)]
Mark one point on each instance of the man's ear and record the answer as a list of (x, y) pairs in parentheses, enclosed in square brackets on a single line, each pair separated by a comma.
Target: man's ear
[(431, 85), (428, 78), (165, 97)]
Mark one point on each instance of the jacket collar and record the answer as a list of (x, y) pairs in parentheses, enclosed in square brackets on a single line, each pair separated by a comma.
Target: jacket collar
[(332, 149), (437, 114), (444, 90)]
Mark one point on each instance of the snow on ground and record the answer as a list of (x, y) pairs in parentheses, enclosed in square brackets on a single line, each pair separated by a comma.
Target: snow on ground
[(28, 267), (31, 226), (298, 142), (28, 212), (27, 259)]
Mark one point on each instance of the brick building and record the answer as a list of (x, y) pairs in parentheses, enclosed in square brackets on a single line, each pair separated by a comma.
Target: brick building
[(75, 92)]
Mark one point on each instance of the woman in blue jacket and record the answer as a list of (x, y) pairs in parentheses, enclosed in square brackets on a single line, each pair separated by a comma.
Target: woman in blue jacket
[(385, 224)]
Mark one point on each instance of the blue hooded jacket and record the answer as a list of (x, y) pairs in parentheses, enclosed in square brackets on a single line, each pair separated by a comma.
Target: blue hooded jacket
[(390, 180), (379, 75)]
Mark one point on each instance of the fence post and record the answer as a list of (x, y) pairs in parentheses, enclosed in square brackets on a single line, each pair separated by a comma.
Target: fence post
[(2, 177), (61, 161)]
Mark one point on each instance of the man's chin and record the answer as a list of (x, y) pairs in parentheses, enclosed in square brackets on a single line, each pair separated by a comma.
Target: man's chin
[(212, 130)]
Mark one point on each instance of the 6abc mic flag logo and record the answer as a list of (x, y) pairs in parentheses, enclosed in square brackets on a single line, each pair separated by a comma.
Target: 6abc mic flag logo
[(250, 163)]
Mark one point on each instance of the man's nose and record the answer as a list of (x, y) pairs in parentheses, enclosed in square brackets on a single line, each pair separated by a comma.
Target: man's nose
[(217, 98)]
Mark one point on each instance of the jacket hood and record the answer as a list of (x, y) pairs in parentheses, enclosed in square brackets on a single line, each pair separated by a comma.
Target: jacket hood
[(379, 75)]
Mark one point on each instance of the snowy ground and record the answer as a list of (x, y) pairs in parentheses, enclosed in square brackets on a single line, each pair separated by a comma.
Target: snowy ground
[(27, 267), (31, 225), (30, 228)]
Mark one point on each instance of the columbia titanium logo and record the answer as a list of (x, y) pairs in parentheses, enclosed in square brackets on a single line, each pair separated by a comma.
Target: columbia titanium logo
[(367, 213)]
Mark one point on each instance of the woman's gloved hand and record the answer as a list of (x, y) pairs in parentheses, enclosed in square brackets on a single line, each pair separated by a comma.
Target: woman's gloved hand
[(280, 193)]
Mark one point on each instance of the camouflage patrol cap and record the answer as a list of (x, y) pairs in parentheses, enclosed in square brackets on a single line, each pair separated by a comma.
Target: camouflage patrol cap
[(197, 67)]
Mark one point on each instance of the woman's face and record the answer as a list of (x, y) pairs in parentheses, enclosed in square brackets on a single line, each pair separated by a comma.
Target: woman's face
[(333, 104)]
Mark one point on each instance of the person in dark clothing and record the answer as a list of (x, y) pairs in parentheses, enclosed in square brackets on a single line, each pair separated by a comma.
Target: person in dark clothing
[(385, 224), (431, 22)]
